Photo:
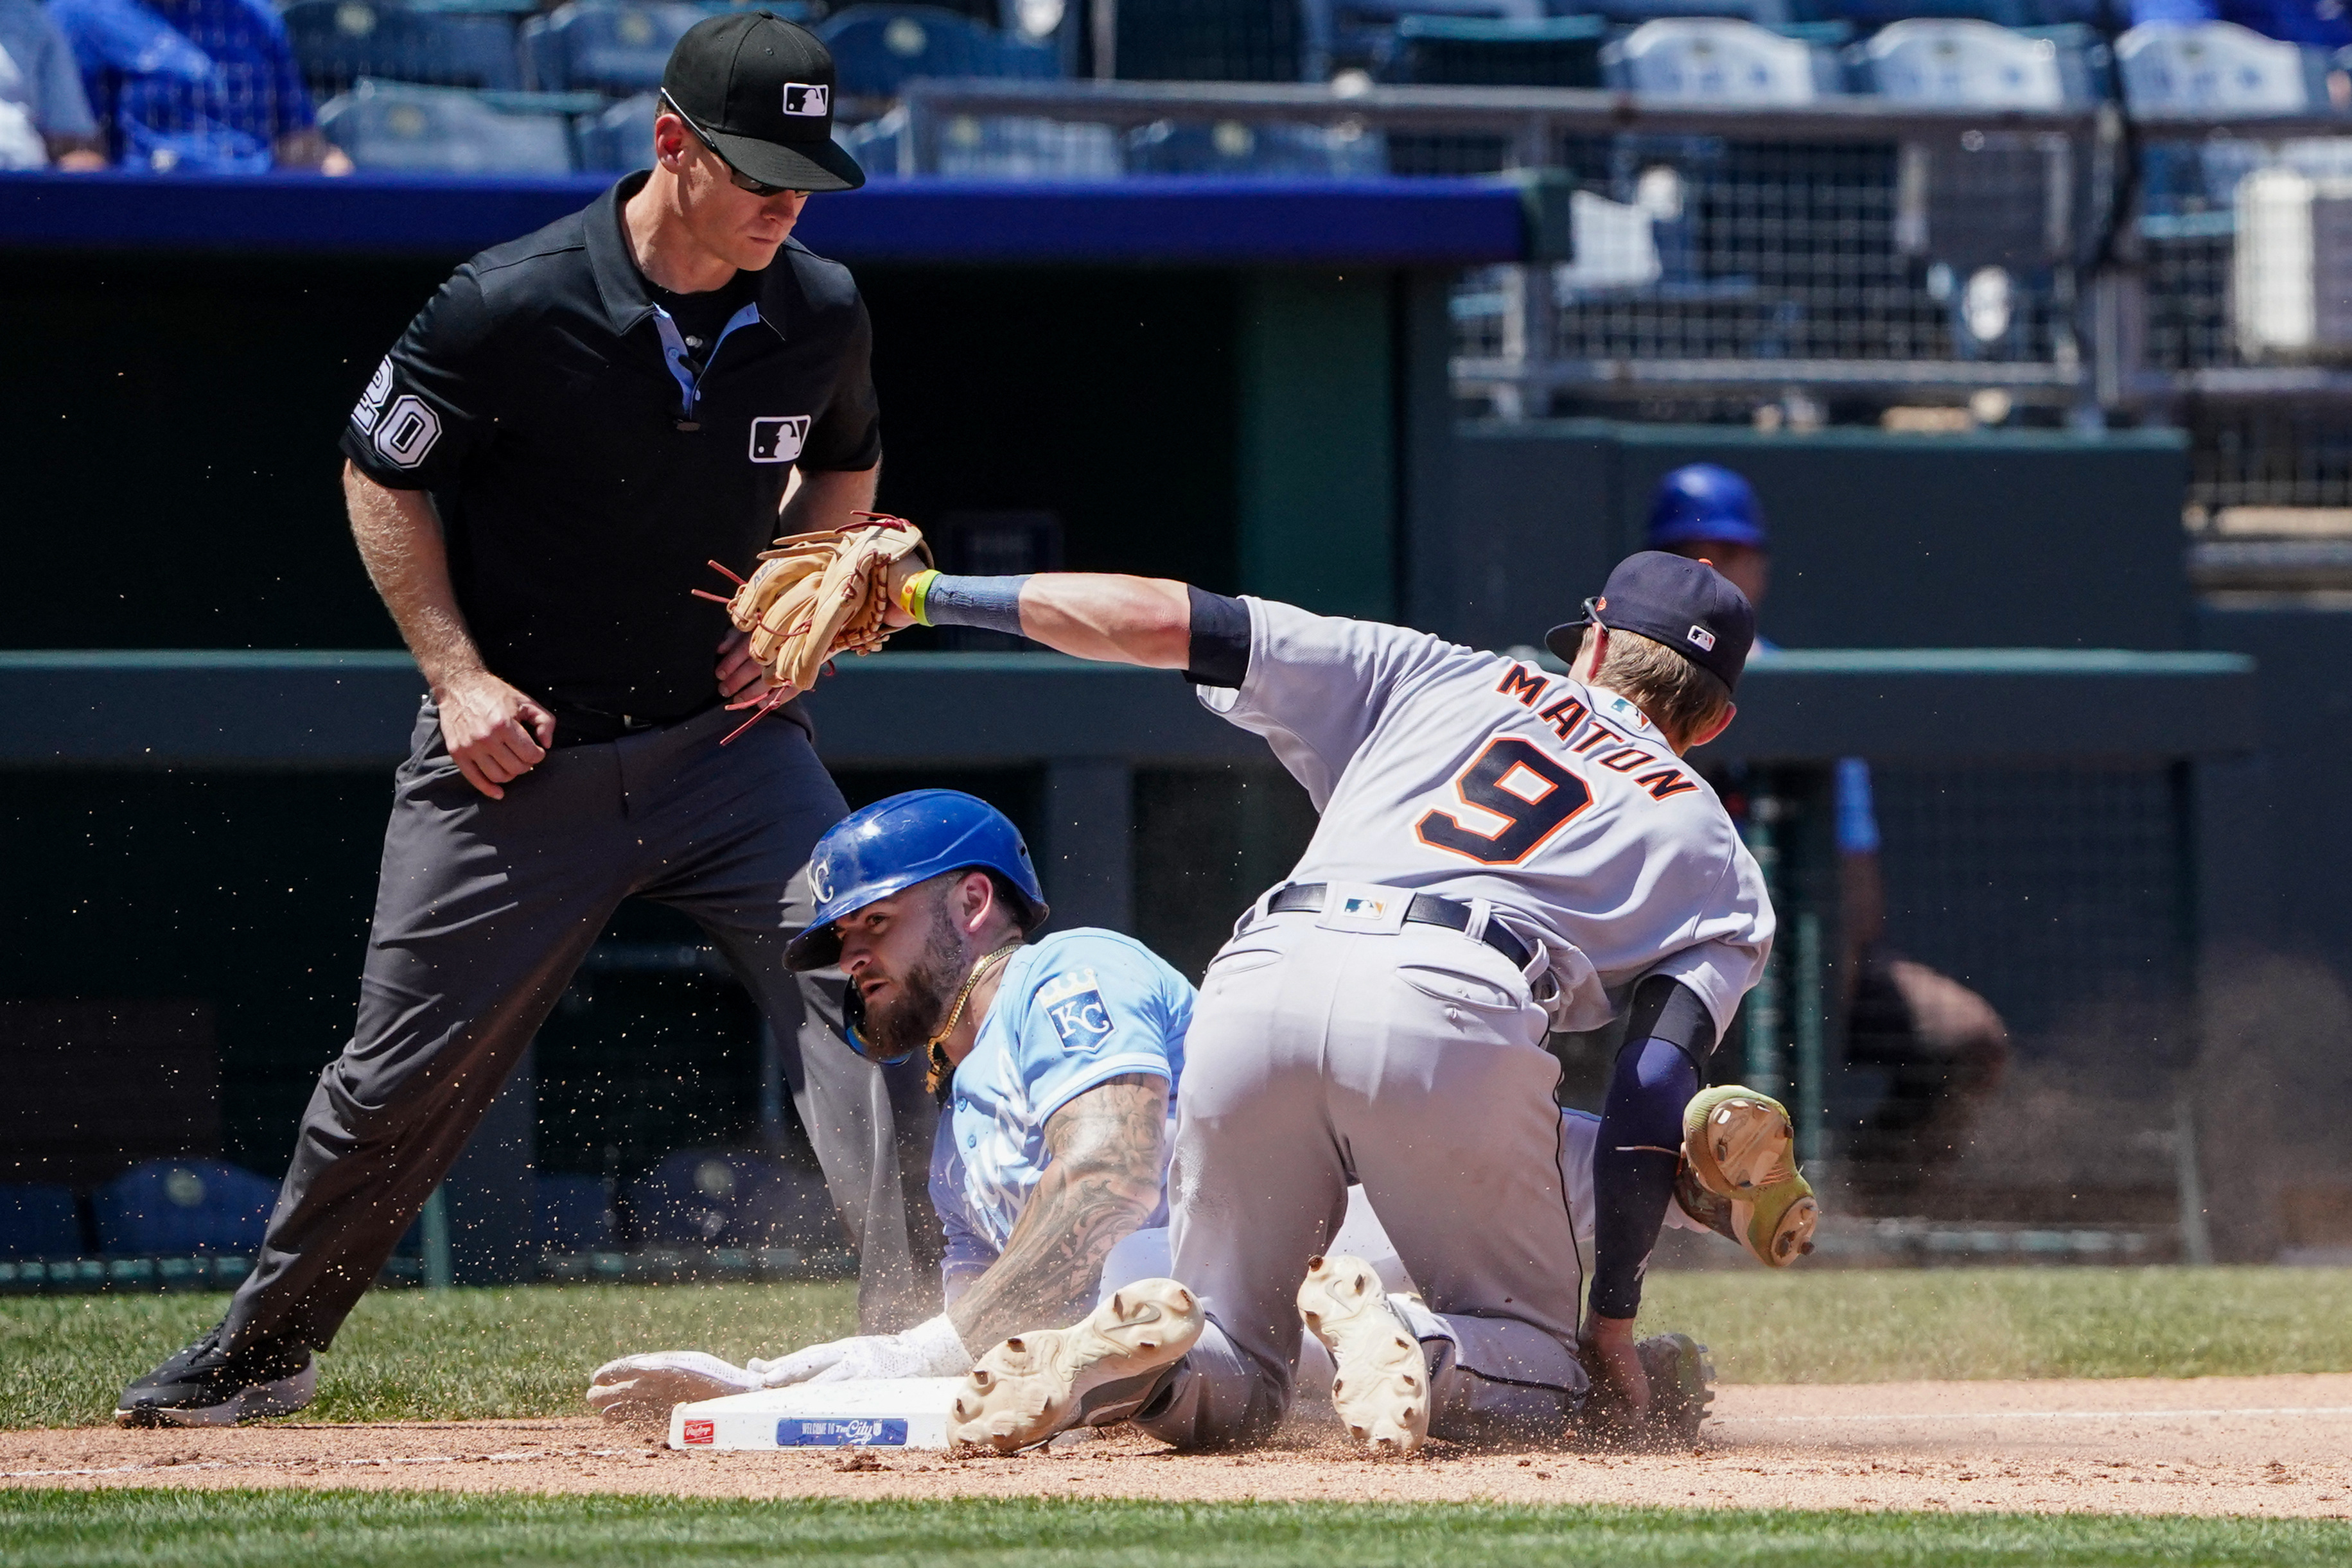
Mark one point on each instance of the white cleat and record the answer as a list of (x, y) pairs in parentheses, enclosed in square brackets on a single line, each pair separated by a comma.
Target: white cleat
[(644, 1387), (1094, 1374), (1380, 1388)]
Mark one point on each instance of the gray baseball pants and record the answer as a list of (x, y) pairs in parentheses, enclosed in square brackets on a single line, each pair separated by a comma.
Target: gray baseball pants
[(1415, 1063), (484, 910)]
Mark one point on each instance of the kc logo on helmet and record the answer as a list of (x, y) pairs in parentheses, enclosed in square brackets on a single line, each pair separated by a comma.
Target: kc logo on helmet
[(1701, 638), (811, 101), (779, 439)]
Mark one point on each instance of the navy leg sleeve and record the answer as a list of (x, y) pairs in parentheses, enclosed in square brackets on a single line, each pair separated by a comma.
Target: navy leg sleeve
[(1634, 1152)]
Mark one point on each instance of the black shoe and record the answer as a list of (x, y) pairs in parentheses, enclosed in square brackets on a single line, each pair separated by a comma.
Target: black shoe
[(205, 1385)]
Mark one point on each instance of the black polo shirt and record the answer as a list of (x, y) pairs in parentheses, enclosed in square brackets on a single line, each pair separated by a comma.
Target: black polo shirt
[(581, 486)]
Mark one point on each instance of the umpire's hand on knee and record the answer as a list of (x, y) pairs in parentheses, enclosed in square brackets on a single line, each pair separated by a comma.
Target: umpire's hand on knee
[(495, 733)]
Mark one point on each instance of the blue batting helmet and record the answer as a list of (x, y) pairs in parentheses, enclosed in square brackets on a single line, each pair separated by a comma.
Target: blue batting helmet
[(893, 844), (1704, 501)]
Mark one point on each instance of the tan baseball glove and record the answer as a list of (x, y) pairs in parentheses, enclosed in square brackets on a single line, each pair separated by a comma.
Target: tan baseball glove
[(817, 596)]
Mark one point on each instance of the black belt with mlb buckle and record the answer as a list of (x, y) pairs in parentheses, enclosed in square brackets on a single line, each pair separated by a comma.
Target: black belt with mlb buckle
[(1426, 909)]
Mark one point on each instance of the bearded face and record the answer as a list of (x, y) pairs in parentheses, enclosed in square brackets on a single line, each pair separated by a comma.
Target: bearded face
[(906, 1008)]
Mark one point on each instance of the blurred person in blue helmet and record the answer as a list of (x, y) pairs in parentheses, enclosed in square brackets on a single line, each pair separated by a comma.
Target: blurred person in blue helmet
[(1940, 1046), (1055, 1061)]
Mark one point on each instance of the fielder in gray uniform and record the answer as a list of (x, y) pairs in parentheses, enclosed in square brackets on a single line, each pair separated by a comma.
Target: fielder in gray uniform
[(1502, 852)]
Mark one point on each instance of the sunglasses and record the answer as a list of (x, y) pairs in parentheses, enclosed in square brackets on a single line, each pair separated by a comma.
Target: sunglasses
[(742, 182)]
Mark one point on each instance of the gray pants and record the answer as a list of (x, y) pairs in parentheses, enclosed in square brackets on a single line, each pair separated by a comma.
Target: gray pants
[(1415, 1062), (485, 908)]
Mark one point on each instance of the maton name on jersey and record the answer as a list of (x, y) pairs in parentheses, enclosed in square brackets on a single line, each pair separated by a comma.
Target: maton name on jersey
[(1597, 743)]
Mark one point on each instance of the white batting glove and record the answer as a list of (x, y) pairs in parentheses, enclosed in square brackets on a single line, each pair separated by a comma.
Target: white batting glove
[(929, 1349)]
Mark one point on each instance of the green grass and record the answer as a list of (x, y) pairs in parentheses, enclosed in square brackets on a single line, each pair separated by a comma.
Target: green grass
[(1826, 1326), (389, 1530), (413, 1355), (443, 1355)]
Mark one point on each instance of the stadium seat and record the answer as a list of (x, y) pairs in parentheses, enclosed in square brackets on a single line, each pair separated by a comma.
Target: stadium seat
[(1633, 13), (1879, 13), (1024, 147), (341, 41), (182, 1205), (38, 1220), (1720, 62), (441, 130), (1236, 150), (602, 45), (717, 1198), (1563, 51), (2217, 68), (876, 47), (621, 138), (1971, 64), (1213, 40), (576, 1215)]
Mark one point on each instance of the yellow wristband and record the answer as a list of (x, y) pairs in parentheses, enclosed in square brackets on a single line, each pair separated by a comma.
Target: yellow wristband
[(912, 592)]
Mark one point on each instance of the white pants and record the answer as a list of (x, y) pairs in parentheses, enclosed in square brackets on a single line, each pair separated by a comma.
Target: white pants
[(1413, 1063)]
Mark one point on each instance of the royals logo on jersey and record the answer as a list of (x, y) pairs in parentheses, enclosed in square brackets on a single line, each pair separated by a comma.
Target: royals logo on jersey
[(1073, 1004)]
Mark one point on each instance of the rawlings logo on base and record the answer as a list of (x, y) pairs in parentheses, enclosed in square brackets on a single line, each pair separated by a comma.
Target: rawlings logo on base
[(701, 1431)]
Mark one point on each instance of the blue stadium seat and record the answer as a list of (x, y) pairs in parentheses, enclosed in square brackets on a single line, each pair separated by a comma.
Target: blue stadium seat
[(1879, 13), (876, 47), (621, 138), (1719, 61), (2217, 68), (1028, 147), (1563, 51), (717, 1198), (1972, 65), (604, 46), (1633, 13), (1234, 150), (339, 41), (182, 1205), (38, 1220), (442, 130), (1213, 40), (576, 1215)]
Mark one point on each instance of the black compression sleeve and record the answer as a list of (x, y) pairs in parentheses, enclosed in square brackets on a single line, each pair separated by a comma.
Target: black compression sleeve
[(1219, 656)]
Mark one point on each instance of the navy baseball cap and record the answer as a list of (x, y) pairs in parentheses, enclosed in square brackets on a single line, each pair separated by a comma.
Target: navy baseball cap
[(1687, 604), (760, 91), (1706, 502)]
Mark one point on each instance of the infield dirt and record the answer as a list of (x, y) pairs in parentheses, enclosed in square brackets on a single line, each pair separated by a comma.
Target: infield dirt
[(2242, 1446)]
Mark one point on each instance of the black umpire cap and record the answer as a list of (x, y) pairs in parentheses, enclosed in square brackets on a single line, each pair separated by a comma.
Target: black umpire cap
[(1687, 604), (759, 91)]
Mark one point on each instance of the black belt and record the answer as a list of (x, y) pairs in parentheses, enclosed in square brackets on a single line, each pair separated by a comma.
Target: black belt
[(1426, 909), (594, 727)]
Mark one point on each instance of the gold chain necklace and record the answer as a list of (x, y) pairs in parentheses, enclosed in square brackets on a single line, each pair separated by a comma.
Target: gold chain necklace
[(941, 1068)]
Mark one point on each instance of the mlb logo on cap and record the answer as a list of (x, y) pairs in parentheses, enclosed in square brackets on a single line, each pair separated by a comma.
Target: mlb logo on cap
[(1702, 639), (812, 99)]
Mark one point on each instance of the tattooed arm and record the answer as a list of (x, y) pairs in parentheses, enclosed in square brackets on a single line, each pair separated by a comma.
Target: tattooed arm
[(1102, 1183)]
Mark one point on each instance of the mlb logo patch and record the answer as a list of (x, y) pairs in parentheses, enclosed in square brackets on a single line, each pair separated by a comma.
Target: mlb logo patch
[(701, 1431), (779, 439), (1702, 639), (1358, 908), (1073, 1004), (811, 101)]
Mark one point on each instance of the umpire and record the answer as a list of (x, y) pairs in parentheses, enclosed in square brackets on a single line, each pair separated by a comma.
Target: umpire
[(537, 473)]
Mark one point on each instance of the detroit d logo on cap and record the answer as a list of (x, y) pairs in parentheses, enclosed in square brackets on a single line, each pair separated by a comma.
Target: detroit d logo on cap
[(813, 99), (779, 439)]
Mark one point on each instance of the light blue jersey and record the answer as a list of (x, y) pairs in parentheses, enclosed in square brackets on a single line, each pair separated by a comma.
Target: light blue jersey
[(1075, 1008)]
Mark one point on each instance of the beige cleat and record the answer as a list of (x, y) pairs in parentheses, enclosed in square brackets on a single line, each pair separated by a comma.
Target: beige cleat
[(1381, 1386), (644, 1387), (1740, 1151), (1098, 1372)]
